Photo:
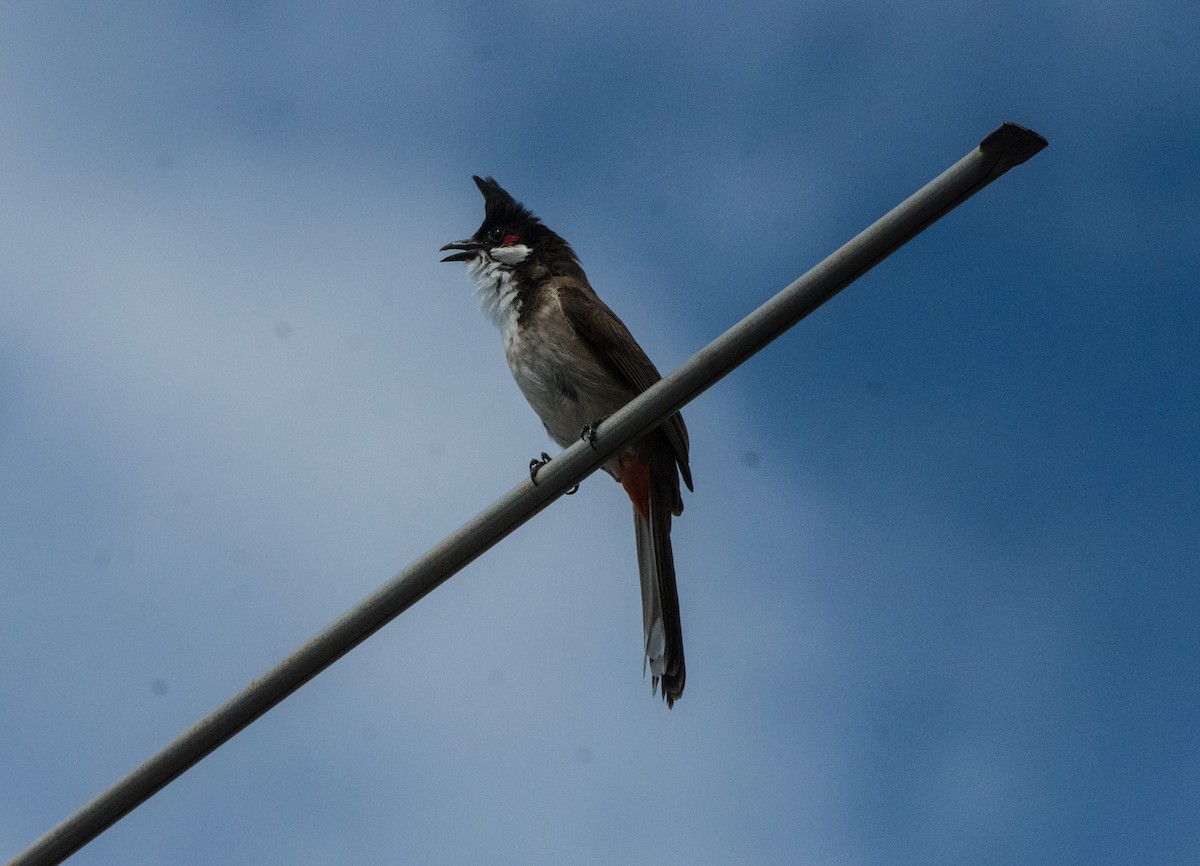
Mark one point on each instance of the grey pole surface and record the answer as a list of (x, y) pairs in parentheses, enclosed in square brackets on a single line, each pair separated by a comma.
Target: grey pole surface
[(1008, 146)]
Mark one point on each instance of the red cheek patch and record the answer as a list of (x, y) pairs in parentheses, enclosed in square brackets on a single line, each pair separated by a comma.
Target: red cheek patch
[(509, 240)]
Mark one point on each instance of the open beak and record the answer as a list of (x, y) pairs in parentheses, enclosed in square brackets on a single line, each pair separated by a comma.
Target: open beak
[(469, 248)]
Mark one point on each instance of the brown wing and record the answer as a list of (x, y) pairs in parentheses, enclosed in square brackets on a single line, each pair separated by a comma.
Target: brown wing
[(615, 348)]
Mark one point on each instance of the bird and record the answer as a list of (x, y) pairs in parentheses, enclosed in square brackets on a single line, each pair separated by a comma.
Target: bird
[(576, 364)]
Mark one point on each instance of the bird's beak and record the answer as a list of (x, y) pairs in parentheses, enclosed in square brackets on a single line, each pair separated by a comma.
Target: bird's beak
[(469, 247)]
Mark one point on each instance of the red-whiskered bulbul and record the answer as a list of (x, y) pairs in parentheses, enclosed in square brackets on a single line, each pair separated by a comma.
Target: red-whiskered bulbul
[(576, 363)]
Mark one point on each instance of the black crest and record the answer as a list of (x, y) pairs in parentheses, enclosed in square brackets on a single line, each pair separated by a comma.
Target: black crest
[(501, 211), (500, 208)]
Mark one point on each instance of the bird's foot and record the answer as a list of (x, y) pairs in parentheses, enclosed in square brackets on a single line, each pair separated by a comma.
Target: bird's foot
[(588, 433), (537, 463)]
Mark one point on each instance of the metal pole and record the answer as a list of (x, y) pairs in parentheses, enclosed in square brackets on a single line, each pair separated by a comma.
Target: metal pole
[(1008, 146)]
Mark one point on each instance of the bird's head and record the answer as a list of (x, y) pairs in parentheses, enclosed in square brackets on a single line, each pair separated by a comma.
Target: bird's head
[(510, 234)]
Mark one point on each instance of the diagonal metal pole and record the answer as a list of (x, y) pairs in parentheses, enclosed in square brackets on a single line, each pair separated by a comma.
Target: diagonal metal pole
[(1008, 146)]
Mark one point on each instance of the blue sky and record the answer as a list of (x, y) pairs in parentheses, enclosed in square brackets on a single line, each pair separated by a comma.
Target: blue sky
[(939, 575)]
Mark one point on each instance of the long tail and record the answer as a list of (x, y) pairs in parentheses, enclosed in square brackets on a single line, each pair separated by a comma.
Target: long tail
[(654, 489)]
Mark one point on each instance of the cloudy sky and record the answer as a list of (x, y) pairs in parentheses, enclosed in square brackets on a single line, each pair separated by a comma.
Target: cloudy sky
[(939, 575)]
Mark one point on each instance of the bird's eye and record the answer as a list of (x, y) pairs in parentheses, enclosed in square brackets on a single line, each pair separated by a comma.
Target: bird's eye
[(496, 234)]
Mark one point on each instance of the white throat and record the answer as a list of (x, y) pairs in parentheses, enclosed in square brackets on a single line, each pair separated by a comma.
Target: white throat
[(492, 272)]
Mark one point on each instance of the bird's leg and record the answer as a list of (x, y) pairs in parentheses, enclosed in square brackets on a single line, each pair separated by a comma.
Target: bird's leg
[(588, 433), (537, 463)]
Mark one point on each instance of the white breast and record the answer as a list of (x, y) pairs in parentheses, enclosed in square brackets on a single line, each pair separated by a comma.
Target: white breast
[(495, 288), (557, 374)]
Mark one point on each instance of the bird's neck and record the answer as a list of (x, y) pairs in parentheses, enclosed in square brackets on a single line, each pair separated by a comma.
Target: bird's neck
[(496, 288)]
